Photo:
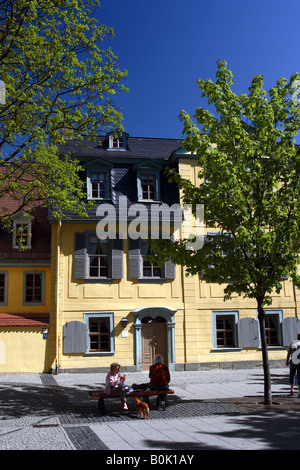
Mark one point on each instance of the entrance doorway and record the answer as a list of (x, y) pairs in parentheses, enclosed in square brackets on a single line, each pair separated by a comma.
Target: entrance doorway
[(154, 340), (154, 325)]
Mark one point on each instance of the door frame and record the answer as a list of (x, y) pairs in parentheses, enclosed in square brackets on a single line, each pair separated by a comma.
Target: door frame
[(168, 314)]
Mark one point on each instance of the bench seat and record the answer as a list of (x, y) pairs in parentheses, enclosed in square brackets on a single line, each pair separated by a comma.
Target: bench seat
[(160, 394)]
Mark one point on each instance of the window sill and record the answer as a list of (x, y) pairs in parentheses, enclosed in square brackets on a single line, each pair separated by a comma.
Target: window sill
[(33, 304), (149, 201), (107, 199), (224, 350), (98, 354), (154, 280)]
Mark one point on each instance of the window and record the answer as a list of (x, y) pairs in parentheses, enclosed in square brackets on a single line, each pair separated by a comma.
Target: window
[(98, 257), (98, 179), (100, 332), (148, 181), (225, 329), (148, 186), (22, 235), (273, 322), (34, 288), (149, 270), (98, 185), (140, 268), (118, 143), (22, 227), (3, 287)]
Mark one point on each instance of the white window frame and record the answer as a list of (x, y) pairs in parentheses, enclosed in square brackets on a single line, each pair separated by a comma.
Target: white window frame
[(110, 315), (22, 218), (235, 314)]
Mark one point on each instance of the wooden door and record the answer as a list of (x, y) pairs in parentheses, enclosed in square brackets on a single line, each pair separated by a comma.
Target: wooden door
[(154, 341)]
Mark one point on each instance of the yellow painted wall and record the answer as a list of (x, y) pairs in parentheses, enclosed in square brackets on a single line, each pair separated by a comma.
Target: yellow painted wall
[(15, 290), (23, 350), (120, 296), (194, 301), (202, 298)]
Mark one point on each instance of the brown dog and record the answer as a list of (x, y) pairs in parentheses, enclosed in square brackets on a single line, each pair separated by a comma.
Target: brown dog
[(142, 408)]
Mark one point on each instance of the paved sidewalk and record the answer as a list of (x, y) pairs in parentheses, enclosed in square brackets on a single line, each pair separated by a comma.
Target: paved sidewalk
[(211, 410)]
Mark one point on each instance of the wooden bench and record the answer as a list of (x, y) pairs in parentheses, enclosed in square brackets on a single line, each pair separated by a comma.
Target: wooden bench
[(160, 394)]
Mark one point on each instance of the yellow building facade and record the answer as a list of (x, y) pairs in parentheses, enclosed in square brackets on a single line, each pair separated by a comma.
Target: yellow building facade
[(181, 317), (25, 295), (82, 302)]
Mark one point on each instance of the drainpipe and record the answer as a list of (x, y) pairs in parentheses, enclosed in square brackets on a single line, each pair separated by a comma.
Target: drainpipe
[(295, 299), (57, 294)]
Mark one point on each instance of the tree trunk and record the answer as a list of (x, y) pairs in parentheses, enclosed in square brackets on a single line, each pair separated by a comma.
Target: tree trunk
[(266, 367)]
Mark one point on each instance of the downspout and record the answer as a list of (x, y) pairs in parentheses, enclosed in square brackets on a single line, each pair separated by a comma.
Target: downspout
[(57, 294), (296, 303)]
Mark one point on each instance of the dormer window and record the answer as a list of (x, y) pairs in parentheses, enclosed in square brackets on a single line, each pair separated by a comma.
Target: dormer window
[(22, 228), (98, 179), (148, 187), (98, 182), (148, 181), (22, 235), (118, 143), (117, 140)]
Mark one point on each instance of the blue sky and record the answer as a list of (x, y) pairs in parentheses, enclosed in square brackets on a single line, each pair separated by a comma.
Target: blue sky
[(166, 45)]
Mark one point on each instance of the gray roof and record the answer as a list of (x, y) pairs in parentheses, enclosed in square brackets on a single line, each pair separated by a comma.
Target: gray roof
[(137, 147)]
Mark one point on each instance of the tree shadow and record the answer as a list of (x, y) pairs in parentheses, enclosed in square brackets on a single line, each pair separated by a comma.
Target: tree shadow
[(278, 431), (23, 400), (272, 431)]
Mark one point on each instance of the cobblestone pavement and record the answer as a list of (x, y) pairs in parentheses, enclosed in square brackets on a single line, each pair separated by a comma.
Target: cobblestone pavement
[(47, 412)]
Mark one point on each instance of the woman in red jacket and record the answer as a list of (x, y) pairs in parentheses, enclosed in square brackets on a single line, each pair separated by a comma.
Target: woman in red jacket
[(159, 374)]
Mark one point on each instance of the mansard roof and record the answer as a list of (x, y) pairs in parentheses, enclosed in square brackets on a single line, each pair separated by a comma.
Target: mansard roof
[(137, 147)]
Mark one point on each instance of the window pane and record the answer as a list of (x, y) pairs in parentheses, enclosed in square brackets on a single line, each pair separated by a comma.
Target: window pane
[(104, 326), (272, 329), (29, 280), (156, 271), (99, 334), (148, 184), (98, 185), (225, 331), (33, 288), (93, 325)]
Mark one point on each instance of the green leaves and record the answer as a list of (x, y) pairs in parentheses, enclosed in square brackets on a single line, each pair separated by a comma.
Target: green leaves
[(249, 173), (58, 76)]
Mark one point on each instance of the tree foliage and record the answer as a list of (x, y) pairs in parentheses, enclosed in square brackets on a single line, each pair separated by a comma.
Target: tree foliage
[(59, 82), (249, 173)]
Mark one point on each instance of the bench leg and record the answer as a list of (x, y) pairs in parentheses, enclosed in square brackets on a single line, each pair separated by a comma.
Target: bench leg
[(162, 399), (101, 406)]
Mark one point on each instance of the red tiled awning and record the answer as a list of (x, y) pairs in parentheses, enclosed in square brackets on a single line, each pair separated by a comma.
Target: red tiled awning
[(12, 319)]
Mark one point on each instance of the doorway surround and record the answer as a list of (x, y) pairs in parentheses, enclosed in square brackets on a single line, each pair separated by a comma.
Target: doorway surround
[(168, 314)]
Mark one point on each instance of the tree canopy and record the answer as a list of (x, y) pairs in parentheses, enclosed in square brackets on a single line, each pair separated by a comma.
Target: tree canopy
[(60, 82), (249, 186)]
